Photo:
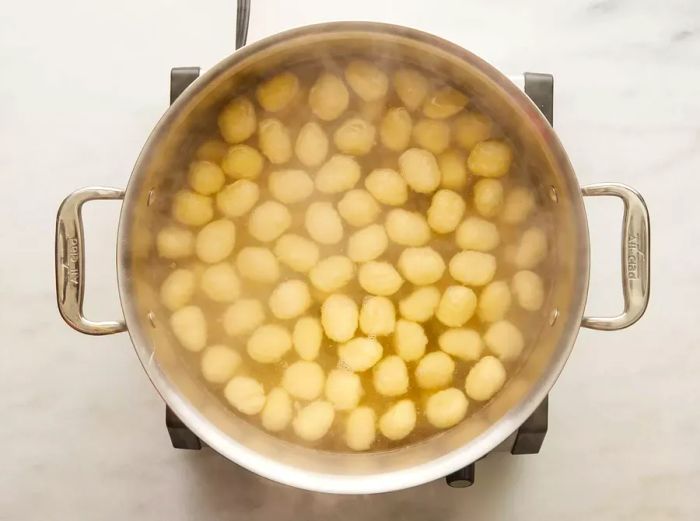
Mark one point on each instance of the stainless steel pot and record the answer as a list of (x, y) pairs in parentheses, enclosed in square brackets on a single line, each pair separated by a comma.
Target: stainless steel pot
[(302, 467)]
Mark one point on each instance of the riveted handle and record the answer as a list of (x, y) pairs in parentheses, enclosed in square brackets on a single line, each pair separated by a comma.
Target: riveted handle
[(635, 257), (70, 261)]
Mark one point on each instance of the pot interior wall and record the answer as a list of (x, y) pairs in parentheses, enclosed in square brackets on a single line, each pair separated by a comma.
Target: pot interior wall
[(162, 164)]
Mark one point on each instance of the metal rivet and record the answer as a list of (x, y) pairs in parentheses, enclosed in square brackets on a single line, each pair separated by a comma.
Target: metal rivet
[(152, 319), (553, 194), (553, 316), (151, 197)]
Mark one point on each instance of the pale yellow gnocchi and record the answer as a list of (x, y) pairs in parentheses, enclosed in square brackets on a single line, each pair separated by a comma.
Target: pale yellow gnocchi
[(311, 146), (237, 122), (323, 223), (268, 221), (242, 162), (358, 208)]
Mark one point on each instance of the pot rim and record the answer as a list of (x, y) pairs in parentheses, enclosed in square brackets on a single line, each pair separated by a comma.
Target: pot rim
[(336, 483)]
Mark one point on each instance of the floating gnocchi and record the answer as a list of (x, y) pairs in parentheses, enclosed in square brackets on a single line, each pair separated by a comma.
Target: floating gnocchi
[(323, 223), (269, 343), (387, 186), (268, 221), (237, 122), (358, 208), (343, 389), (243, 162)]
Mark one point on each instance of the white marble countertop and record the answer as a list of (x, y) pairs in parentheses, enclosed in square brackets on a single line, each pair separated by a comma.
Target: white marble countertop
[(81, 428)]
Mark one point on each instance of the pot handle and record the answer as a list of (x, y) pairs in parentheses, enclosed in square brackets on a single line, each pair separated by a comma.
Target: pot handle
[(70, 261), (635, 257)]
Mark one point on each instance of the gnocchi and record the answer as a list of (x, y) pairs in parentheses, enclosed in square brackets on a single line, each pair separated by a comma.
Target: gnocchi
[(490, 158), (361, 429), (379, 278), (494, 301), (377, 316), (532, 249), (307, 337), (358, 208), (471, 128), (339, 174), (258, 265), (518, 205), (420, 305), (290, 186), (528, 290), (332, 273), (446, 211), (475, 233), (488, 197), (504, 340), (444, 103), (246, 394), (276, 93), (407, 228), (269, 343), (387, 186), (355, 136), (411, 87), (339, 317), (215, 241), (399, 420), (290, 299), (237, 122), (390, 376), (434, 370), (205, 177), (360, 353), (275, 141), (328, 97), (473, 268), (313, 421), (268, 221), (238, 198), (432, 135), (177, 289), (410, 340), (277, 411), (465, 344), (212, 150), (323, 223), (343, 389), (446, 408), (243, 162), (219, 363), (297, 252), (368, 243), (243, 316), (192, 209), (395, 129), (304, 380), (189, 327), (311, 146), (420, 170), (485, 379), (367, 80), (421, 266), (457, 305), (221, 283), (173, 242)]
